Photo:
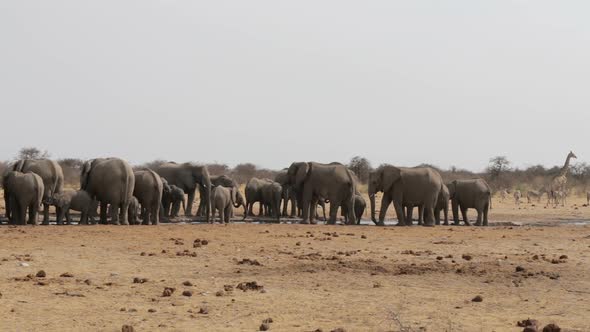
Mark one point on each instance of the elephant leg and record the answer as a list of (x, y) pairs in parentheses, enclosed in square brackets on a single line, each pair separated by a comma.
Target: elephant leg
[(145, 216), (155, 214), (385, 201), (485, 215), (45, 214), (103, 213), (464, 214), (455, 204), (409, 215), (191, 200), (437, 216), (446, 214), (421, 215), (68, 217), (83, 218), (260, 209), (33, 212), (114, 211), (306, 206), (333, 212), (399, 211), (228, 212), (428, 215), (479, 217)]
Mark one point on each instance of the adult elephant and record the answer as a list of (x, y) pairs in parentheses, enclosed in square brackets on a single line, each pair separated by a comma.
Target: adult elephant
[(227, 182), (50, 172), (288, 195), (253, 192), (442, 205), (25, 192), (404, 187), (334, 182), (148, 191), (187, 176), (470, 194), (111, 182)]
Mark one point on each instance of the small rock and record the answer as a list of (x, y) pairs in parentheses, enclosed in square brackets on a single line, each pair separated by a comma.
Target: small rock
[(520, 269), (67, 275), (204, 311), (467, 257), (187, 283), (264, 327), (168, 291), (563, 257), (219, 293), (187, 293), (527, 322), (88, 282), (137, 280), (151, 310), (127, 328), (478, 298), (363, 236), (41, 274), (552, 328)]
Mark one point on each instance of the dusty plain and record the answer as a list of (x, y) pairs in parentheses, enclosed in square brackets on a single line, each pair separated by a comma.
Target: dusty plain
[(533, 262)]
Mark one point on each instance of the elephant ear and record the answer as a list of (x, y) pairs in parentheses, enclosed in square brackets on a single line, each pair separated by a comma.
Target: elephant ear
[(19, 165), (389, 176), (303, 171), (233, 194), (84, 174), (452, 186)]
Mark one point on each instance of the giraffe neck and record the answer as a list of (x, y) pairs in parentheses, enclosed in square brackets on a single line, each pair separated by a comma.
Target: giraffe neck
[(566, 166)]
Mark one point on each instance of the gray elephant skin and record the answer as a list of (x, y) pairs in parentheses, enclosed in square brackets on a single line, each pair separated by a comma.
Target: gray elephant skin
[(223, 181), (51, 173), (25, 192), (418, 186), (187, 176), (223, 200), (133, 211), (148, 191), (360, 206), (271, 199), (470, 194), (442, 205), (253, 193), (111, 182), (172, 198), (334, 182), (77, 200)]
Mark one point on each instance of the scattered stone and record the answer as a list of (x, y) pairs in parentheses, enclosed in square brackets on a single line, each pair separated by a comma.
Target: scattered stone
[(563, 257), (552, 328), (187, 283), (143, 254), (127, 328), (251, 285), (88, 282), (151, 310), (363, 236), (204, 311), (228, 288), (41, 274), (137, 280), (187, 293), (249, 261), (478, 298), (520, 269), (219, 293), (467, 257), (527, 322), (264, 327), (439, 258), (168, 291), (297, 244), (67, 275)]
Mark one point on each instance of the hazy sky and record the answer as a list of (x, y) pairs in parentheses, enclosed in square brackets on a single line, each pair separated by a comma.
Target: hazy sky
[(271, 82)]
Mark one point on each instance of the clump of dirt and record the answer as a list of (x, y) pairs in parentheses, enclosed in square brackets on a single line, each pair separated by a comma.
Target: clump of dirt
[(204, 310), (528, 322), (187, 283), (467, 257), (137, 280), (248, 261), (186, 252), (127, 328), (251, 285), (552, 328), (478, 298), (187, 293), (199, 243), (66, 275), (41, 274), (168, 291)]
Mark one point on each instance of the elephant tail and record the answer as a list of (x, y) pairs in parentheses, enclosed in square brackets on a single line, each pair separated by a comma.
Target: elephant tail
[(56, 178)]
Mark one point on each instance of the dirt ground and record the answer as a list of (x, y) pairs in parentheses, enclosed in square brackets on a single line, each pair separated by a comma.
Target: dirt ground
[(307, 277)]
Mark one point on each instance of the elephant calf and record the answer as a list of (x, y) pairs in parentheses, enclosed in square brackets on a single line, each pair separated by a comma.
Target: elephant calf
[(359, 209), (223, 200), (74, 200), (133, 211), (22, 192), (172, 198)]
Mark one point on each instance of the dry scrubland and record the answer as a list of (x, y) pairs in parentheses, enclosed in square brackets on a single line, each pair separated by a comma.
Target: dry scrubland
[(361, 278)]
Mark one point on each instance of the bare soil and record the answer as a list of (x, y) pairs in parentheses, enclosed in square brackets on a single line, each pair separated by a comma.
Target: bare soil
[(189, 277)]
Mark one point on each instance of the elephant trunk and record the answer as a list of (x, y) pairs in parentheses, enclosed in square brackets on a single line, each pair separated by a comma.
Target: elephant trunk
[(372, 199)]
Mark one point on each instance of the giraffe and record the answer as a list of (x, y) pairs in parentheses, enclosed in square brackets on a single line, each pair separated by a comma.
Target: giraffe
[(559, 182)]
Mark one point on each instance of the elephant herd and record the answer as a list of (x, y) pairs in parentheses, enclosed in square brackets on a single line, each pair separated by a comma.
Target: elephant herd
[(126, 196)]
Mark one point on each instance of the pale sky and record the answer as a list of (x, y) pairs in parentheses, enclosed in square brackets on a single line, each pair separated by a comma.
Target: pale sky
[(271, 82)]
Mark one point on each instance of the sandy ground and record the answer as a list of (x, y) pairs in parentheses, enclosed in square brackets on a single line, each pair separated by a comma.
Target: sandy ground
[(359, 278)]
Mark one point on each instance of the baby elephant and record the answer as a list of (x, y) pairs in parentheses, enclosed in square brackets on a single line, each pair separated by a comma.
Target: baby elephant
[(74, 200), (172, 198), (223, 199), (133, 211)]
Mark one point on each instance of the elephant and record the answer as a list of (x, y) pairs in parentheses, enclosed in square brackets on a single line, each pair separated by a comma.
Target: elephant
[(133, 211), (253, 192), (25, 191), (288, 195), (359, 208), (52, 175), (223, 200), (110, 181), (470, 194), (172, 198), (224, 181), (419, 186), (187, 176), (148, 191), (442, 204), (334, 182), (77, 200), (271, 193)]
